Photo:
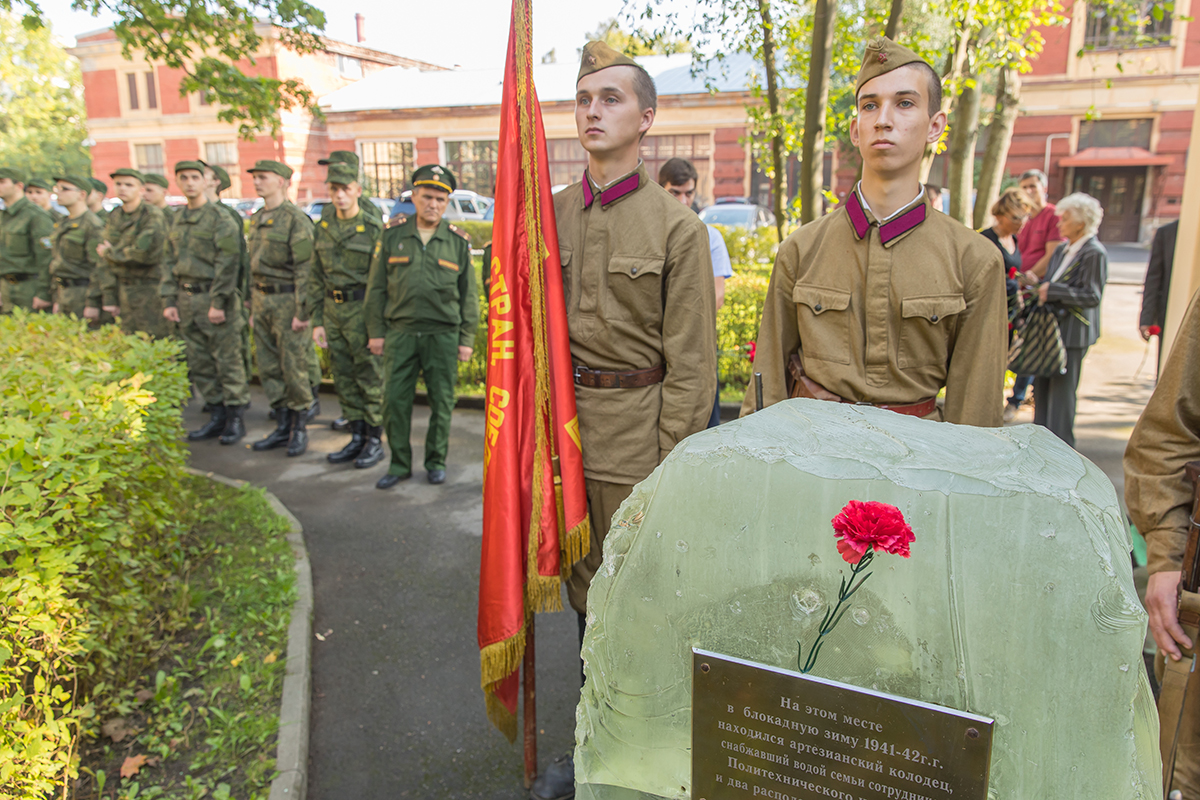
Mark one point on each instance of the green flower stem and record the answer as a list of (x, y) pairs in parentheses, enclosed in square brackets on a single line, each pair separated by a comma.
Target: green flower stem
[(834, 615)]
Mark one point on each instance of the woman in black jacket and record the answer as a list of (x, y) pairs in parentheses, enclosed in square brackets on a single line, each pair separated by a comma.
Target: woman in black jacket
[(1073, 288)]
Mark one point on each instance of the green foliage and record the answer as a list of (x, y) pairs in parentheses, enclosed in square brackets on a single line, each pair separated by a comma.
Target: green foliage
[(751, 249), (737, 324), (480, 231), (42, 120), (638, 43), (90, 454)]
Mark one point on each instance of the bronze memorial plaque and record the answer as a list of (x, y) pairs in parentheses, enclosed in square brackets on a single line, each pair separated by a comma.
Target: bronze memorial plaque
[(759, 731)]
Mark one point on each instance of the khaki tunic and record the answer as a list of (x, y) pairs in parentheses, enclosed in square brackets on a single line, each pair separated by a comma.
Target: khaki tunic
[(889, 322), (639, 291)]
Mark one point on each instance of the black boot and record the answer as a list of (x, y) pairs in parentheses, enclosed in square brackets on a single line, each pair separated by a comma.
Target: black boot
[(372, 451), (315, 408), (212, 428), (358, 438), (340, 424), (235, 428), (282, 433), (557, 782), (299, 441), (271, 414)]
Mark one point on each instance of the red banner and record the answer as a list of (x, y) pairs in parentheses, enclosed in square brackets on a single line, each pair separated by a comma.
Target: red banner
[(535, 523)]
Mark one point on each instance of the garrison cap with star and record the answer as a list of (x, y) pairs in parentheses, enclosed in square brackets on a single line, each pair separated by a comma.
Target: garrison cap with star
[(223, 181), (598, 55), (434, 175), (127, 172), (39, 183), (881, 57), (198, 166), (278, 167), (347, 157), (341, 173), (99, 185), (78, 181), (160, 180), (14, 175)]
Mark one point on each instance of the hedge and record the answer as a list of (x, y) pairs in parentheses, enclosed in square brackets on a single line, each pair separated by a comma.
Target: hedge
[(90, 456)]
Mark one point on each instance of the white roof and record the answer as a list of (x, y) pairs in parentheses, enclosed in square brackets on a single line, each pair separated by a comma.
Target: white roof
[(408, 87)]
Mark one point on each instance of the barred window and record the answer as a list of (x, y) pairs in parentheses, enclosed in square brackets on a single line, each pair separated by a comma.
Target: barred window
[(1121, 26), (149, 158), (474, 164), (387, 168)]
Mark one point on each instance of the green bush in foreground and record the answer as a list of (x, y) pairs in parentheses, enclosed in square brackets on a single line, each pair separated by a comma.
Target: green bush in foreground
[(89, 458)]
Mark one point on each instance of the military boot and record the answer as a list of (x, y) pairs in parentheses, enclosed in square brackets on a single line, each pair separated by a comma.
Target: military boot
[(212, 428), (282, 433), (358, 438), (372, 451), (340, 424), (315, 408), (235, 428), (299, 441)]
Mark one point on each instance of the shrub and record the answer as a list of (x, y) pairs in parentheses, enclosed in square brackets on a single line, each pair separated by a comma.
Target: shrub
[(90, 457), (737, 323), (480, 231)]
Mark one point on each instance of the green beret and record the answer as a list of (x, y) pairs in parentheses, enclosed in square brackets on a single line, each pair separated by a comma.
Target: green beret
[(98, 185), (435, 175), (39, 183), (341, 173), (159, 180), (199, 166), (347, 157), (127, 172), (598, 56), (280, 169), (78, 181), (14, 175), (882, 56), (222, 177)]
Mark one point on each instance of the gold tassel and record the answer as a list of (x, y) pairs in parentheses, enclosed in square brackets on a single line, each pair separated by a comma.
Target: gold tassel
[(499, 716), (575, 546), (500, 659)]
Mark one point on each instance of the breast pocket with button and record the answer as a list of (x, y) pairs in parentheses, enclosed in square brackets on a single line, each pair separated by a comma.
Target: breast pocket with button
[(926, 327), (823, 320), (634, 289)]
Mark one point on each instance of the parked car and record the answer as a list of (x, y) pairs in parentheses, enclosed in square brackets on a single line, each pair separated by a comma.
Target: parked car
[(467, 205), (403, 206), (315, 208), (737, 215), (384, 206), (247, 207)]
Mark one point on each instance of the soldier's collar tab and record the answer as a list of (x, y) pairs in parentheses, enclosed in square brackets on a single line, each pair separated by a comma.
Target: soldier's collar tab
[(625, 186), (894, 228)]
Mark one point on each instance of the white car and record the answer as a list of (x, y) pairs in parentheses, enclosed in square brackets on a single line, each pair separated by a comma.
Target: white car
[(467, 205)]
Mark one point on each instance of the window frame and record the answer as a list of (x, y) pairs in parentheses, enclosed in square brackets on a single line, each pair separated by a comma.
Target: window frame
[(371, 184)]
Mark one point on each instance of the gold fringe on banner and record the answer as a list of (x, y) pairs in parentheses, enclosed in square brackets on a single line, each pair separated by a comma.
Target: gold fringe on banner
[(498, 661)]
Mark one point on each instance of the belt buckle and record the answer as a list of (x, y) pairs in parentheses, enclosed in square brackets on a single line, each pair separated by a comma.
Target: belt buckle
[(578, 371), (338, 296)]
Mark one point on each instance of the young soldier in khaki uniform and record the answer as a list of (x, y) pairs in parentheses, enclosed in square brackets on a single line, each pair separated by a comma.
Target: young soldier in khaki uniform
[(154, 192), (201, 294), (76, 281), (641, 312), (281, 249), (133, 250), (422, 308), (344, 245), (38, 191), (25, 245), (884, 301), (1159, 498)]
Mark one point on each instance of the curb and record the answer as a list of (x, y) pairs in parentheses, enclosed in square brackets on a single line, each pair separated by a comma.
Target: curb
[(291, 758)]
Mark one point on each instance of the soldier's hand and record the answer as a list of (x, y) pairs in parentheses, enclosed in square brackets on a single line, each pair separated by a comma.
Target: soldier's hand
[(40, 305), (1162, 603), (171, 314), (91, 312), (103, 248), (319, 337), (54, 309), (298, 326), (1043, 293), (216, 316), (464, 353), (375, 346), (114, 310), (250, 321)]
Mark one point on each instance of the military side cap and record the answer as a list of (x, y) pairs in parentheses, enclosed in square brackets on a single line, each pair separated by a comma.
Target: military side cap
[(348, 157), (435, 175), (199, 166), (78, 181), (159, 180), (127, 172), (882, 56), (279, 168), (223, 181), (99, 185), (598, 56), (15, 175), (39, 183), (341, 173)]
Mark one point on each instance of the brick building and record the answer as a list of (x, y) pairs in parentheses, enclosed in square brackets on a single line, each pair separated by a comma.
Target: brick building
[(137, 118)]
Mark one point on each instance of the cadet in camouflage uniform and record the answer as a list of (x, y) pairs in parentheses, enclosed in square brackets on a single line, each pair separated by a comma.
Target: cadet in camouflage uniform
[(344, 245), (38, 191), (75, 279), (155, 193), (422, 308), (96, 199), (25, 243), (133, 250), (217, 181), (281, 249), (200, 291)]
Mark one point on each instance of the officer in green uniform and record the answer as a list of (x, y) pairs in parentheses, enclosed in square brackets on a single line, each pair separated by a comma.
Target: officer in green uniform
[(344, 245), (133, 250), (39, 192), (75, 279), (96, 199), (281, 248), (154, 192), (422, 309), (217, 180), (200, 291), (25, 244)]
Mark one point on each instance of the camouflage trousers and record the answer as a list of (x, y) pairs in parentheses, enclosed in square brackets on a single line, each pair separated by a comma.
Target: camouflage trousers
[(356, 373), (141, 307), (214, 352), (314, 365), (70, 299), (17, 294), (282, 353)]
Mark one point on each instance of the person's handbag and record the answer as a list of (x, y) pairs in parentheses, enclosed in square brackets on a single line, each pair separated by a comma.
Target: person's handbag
[(1037, 345)]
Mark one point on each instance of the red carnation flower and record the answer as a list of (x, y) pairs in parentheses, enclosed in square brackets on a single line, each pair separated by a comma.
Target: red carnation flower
[(751, 349), (1154, 330), (861, 526), (1012, 273)]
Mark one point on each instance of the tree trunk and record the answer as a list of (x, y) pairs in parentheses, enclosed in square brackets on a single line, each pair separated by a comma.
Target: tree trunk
[(1008, 99), (963, 136), (893, 23), (812, 154), (951, 74), (778, 178)]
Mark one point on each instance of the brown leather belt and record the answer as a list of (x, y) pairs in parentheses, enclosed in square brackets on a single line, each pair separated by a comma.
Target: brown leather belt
[(922, 408), (601, 379), (72, 283)]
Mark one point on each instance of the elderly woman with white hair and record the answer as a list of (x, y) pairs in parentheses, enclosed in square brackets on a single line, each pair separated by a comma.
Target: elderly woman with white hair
[(1073, 287)]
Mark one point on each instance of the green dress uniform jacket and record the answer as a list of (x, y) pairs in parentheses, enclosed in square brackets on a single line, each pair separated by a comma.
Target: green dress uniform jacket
[(280, 245), (344, 249), (423, 288), (202, 250), (74, 256), (25, 246), (888, 312)]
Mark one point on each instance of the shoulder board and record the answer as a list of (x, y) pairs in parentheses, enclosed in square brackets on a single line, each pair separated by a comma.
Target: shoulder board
[(397, 220), (324, 223), (461, 233)]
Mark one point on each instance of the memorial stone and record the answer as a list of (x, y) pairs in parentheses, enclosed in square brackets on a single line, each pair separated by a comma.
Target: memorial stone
[(1017, 603)]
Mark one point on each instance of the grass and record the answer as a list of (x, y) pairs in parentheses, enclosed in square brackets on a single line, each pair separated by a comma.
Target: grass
[(203, 722)]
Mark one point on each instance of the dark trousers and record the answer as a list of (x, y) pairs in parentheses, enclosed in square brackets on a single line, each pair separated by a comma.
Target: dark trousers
[(1020, 387), (1056, 398)]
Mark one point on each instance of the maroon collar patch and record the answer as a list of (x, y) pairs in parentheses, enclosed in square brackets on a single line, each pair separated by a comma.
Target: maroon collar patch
[(892, 229), (858, 217), (612, 193)]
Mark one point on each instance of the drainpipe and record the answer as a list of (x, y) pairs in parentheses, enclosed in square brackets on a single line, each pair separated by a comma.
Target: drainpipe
[(1046, 160)]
